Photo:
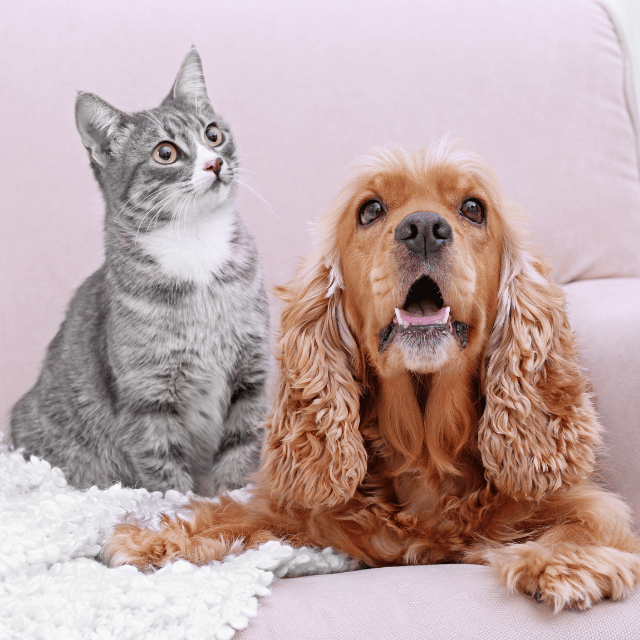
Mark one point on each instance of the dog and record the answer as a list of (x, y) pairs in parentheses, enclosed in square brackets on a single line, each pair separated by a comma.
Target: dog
[(430, 407)]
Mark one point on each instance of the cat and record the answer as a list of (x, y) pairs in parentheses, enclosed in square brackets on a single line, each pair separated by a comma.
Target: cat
[(157, 377)]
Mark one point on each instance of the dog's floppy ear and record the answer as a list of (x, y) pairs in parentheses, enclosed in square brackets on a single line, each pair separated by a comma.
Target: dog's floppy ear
[(538, 431), (314, 453)]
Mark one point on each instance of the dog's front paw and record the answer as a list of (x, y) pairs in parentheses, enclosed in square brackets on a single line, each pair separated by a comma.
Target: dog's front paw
[(147, 549), (567, 575), (142, 548)]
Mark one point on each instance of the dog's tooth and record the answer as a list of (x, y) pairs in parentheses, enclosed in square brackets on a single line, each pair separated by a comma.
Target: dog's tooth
[(446, 315), (398, 318)]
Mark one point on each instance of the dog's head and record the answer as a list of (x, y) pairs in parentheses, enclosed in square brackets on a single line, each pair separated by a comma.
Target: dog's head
[(423, 270), (420, 246)]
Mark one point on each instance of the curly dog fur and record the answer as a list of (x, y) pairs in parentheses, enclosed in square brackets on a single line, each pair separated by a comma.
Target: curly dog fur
[(429, 407)]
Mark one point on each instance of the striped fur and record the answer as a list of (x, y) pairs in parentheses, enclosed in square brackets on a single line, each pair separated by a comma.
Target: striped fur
[(157, 376)]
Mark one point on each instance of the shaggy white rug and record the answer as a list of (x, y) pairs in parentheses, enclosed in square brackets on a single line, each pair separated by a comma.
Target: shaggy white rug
[(54, 585)]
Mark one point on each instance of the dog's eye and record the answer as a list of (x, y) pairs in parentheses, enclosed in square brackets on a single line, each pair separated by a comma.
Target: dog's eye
[(473, 210), (371, 210)]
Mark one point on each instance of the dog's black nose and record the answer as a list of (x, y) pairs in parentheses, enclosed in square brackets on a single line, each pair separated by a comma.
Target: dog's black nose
[(424, 232)]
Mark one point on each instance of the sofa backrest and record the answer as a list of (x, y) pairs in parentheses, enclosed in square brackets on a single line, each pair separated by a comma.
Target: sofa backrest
[(540, 89)]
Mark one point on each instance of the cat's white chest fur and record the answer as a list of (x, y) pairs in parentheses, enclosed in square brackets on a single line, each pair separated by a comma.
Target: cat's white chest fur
[(195, 247)]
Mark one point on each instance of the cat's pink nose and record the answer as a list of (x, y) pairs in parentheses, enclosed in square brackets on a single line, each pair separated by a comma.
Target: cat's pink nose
[(214, 165)]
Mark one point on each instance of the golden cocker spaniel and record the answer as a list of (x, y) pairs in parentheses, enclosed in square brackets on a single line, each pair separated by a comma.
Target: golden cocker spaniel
[(429, 405)]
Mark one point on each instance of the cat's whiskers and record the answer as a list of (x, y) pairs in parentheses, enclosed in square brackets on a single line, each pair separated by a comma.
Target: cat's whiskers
[(155, 219), (154, 206), (238, 165), (159, 206), (191, 204), (178, 213), (150, 195), (189, 208), (243, 181)]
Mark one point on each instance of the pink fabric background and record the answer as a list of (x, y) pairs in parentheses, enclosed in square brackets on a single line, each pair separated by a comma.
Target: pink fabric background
[(538, 88), (307, 88)]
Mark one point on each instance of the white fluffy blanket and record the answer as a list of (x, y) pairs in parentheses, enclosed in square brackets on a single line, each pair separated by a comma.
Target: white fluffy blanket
[(54, 585)]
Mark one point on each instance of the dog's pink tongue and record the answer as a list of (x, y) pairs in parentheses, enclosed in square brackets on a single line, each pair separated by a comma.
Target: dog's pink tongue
[(441, 317)]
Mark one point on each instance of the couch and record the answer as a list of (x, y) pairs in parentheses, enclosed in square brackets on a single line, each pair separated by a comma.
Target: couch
[(543, 90)]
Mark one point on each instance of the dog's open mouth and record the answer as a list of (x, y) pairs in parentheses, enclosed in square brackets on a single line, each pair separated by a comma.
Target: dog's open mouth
[(423, 315)]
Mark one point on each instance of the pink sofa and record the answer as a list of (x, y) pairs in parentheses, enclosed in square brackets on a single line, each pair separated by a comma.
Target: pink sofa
[(542, 90)]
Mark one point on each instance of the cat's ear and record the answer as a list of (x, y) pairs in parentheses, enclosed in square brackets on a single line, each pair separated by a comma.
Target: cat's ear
[(189, 85), (99, 125)]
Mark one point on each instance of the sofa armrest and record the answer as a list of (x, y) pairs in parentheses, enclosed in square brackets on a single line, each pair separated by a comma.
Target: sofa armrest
[(605, 315)]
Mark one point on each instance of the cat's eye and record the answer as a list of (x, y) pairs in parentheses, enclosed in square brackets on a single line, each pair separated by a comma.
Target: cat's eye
[(213, 135), (371, 210), (165, 153), (473, 210)]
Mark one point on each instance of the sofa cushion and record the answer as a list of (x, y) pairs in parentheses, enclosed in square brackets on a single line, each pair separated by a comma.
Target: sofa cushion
[(444, 602)]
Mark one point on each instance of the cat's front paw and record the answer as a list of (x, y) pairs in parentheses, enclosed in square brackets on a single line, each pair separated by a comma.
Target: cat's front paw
[(567, 575)]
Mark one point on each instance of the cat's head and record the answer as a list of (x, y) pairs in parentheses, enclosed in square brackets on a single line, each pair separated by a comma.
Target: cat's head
[(174, 161)]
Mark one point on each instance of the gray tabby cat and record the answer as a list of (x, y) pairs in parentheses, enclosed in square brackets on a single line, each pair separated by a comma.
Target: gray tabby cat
[(157, 376)]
